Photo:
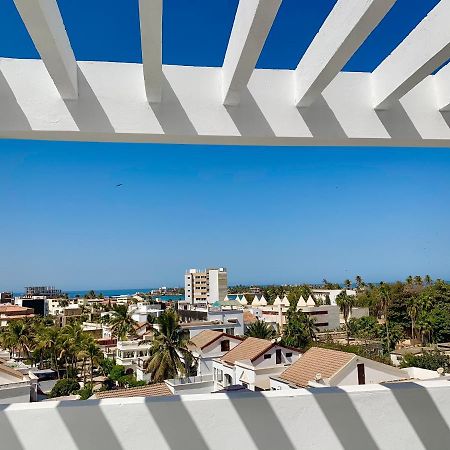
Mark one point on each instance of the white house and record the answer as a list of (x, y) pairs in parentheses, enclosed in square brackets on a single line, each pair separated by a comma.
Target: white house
[(251, 363), (320, 367), (16, 387), (140, 311), (210, 344), (128, 352)]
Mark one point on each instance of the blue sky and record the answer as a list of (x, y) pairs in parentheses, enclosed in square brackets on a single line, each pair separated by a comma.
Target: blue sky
[(268, 214)]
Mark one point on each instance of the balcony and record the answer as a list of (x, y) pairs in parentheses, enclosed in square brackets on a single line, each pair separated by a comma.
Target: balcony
[(400, 416)]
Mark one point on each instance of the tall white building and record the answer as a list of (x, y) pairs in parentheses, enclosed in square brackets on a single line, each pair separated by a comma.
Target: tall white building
[(207, 286)]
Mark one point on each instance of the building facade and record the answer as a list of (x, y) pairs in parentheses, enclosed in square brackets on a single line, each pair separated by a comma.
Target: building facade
[(207, 286)]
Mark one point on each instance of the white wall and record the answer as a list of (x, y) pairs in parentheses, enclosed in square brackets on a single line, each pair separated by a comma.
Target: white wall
[(405, 416), (374, 373)]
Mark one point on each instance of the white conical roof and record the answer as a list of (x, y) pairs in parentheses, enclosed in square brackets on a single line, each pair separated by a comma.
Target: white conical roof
[(285, 301), (255, 301), (277, 301), (301, 301), (262, 301), (226, 299), (310, 302), (238, 299), (243, 300)]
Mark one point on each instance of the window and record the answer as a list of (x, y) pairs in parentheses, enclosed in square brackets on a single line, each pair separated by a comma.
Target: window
[(361, 374), (225, 346), (288, 354), (230, 331), (278, 356), (267, 356)]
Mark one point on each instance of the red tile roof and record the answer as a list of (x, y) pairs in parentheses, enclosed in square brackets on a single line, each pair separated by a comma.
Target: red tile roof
[(151, 390), (316, 360), (251, 348)]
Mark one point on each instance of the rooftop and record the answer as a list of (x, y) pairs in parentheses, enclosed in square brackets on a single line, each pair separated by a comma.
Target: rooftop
[(316, 360), (152, 390), (251, 348)]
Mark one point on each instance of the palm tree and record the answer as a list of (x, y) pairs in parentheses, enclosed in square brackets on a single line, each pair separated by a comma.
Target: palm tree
[(169, 353), (413, 312), (418, 280), (359, 282), (310, 326), (94, 354), (122, 325), (49, 341), (345, 303), (18, 337), (260, 329), (347, 283), (385, 298), (428, 279), (409, 280)]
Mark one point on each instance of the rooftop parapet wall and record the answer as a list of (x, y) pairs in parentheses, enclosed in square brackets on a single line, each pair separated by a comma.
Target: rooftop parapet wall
[(401, 416)]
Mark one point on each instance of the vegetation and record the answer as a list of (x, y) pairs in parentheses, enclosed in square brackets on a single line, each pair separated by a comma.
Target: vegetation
[(122, 325), (260, 329), (429, 360), (299, 330), (66, 386), (169, 354)]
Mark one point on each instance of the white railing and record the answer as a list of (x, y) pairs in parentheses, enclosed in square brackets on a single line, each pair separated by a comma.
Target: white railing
[(190, 380), (400, 416)]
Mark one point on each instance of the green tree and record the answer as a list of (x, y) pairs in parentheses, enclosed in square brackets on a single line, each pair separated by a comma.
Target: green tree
[(346, 303), (169, 355), (122, 325), (260, 329), (297, 329), (429, 360)]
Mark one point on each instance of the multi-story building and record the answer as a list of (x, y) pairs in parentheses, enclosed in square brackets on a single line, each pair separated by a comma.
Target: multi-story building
[(207, 286), (44, 291), (38, 303), (6, 297)]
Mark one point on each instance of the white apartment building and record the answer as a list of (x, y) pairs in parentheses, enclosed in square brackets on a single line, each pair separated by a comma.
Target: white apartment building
[(207, 286)]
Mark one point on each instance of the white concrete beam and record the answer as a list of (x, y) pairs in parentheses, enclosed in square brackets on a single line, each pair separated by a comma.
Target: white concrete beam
[(425, 49), (150, 16), (442, 83), (252, 24), (44, 23), (110, 107), (342, 33)]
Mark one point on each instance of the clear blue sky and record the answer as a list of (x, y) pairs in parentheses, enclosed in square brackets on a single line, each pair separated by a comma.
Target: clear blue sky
[(268, 214)]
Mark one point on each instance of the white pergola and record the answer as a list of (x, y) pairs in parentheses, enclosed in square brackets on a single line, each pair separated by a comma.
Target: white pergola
[(403, 102)]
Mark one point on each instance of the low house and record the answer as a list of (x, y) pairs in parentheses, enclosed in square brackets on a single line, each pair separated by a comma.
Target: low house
[(13, 312), (128, 353), (320, 367), (16, 387), (151, 390), (251, 363), (398, 355), (208, 345)]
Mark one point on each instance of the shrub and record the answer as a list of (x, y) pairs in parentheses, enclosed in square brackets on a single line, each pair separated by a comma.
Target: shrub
[(63, 387)]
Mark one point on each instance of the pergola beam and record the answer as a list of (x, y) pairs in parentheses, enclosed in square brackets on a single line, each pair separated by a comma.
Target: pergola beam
[(45, 25), (342, 33), (425, 49), (253, 21), (442, 80), (150, 16)]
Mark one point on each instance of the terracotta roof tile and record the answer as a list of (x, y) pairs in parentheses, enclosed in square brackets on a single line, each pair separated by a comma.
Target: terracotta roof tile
[(151, 390), (201, 340), (249, 317), (250, 349), (316, 360)]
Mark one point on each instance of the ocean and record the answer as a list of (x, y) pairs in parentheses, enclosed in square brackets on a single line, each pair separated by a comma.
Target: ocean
[(115, 292)]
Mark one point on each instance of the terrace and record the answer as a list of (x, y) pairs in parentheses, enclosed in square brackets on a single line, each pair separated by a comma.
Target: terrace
[(404, 415)]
